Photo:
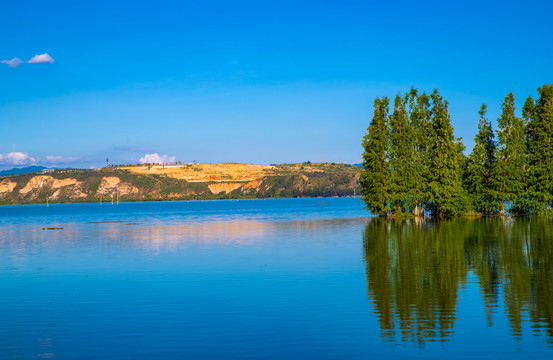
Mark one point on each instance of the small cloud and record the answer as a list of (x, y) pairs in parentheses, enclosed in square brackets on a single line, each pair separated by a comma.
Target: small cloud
[(16, 158), (41, 59), (61, 159), (156, 159), (15, 62)]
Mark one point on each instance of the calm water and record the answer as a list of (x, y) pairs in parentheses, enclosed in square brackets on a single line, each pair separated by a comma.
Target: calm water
[(287, 278)]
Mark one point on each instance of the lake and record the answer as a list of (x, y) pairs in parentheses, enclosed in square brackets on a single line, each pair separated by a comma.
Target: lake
[(272, 279)]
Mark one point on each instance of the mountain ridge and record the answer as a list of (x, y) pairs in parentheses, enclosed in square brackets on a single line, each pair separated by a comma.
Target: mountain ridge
[(23, 170)]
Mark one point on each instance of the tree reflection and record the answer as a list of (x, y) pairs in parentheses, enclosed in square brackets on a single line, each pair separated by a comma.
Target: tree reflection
[(416, 268)]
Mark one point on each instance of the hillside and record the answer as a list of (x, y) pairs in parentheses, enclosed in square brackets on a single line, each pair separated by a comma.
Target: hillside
[(181, 182)]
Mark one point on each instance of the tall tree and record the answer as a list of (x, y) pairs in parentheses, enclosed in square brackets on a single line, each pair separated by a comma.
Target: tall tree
[(511, 155), (419, 117), (527, 118), (478, 179), (374, 178), (541, 152), (445, 178), (401, 158), (523, 203)]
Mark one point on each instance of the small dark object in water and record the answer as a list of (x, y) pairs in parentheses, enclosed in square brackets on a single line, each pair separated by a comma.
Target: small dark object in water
[(54, 228)]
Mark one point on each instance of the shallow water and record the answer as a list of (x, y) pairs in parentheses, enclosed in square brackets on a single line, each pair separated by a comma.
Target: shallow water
[(286, 278)]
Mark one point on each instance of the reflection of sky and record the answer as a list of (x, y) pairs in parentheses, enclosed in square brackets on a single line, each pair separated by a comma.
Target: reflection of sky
[(158, 236), (170, 236), (173, 285), (33, 216), (77, 243)]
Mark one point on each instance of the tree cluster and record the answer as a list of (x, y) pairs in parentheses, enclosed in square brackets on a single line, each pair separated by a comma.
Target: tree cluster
[(411, 158), (413, 163)]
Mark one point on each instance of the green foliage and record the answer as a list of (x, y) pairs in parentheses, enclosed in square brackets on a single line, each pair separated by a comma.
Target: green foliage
[(523, 203), (420, 118), (413, 162), (411, 159), (401, 158), (374, 178), (511, 156), (540, 158), (478, 175), (447, 198)]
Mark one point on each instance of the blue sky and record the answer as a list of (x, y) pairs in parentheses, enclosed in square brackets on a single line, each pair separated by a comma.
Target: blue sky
[(250, 81)]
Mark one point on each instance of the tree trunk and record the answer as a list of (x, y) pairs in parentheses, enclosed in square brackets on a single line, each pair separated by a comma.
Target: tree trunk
[(416, 210), (421, 213)]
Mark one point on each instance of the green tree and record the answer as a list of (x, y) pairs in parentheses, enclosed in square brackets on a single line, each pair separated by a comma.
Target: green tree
[(510, 155), (541, 153), (419, 117), (401, 158), (478, 172), (527, 116), (522, 204), (374, 178), (445, 177)]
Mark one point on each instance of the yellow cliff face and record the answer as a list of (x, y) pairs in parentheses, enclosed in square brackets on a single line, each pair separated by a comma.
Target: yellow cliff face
[(7, 186), (113, 185), (227, 187), (224, 187), (108, 183), (73, 192), (40, 181), (255, 184), (206, 172)]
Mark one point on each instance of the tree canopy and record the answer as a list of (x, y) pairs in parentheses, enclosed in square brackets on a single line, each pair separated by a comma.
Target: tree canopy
[(414, 163)]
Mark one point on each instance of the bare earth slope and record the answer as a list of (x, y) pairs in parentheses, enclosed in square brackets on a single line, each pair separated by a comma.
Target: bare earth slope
[(181, 182), (205, 172)]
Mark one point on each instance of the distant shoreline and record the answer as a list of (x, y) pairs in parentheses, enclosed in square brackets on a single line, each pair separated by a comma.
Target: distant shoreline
[(181, 182)]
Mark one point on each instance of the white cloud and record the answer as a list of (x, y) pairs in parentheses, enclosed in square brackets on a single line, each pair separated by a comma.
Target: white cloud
[(41, 59), (61, 159), (156, 159), (16, 158), (15, 62)]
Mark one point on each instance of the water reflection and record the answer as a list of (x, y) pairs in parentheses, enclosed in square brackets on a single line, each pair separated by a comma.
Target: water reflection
[(416, 269), (155, 237), (151, 237)]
